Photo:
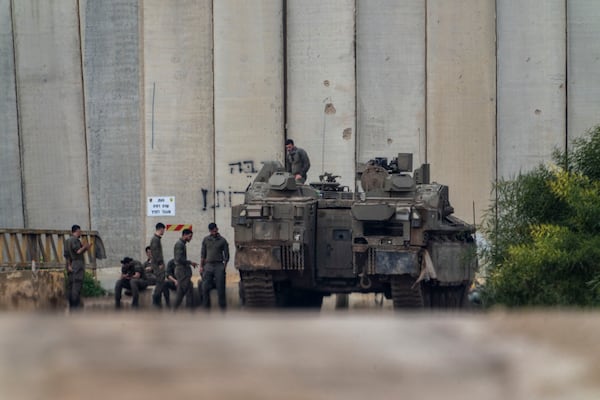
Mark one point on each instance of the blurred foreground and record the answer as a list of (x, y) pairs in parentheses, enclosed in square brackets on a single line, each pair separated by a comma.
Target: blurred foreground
[(354, 354)]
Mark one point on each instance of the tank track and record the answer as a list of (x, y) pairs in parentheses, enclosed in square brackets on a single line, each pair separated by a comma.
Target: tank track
[(405, 294), (257, 289), (446, 297)]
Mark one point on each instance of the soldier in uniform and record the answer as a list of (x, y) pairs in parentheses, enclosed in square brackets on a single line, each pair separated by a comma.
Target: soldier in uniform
[(132, 278), (183, 270), (213, 263), (170, 281), (75, 265), (297, 161), (158, 266), (148, 269)]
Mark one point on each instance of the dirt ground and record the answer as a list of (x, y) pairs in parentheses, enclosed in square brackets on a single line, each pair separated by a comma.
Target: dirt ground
[(352, 354)]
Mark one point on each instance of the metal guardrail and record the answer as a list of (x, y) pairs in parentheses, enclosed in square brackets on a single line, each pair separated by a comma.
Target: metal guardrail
[(20, 247)]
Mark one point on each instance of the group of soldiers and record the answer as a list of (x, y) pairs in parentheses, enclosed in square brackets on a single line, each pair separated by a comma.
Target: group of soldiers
[(176, 274)]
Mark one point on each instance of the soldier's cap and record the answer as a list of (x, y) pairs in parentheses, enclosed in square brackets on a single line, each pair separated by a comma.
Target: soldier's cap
[(126, 260)]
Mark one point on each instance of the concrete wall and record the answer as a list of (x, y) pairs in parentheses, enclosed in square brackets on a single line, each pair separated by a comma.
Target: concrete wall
[(461, 101), (26, 290), (531, 82), (321, 86), (112, 77), (583, 66), (11, 200), (248, 100), (390, 79), (104, 104), (51, 116), (178, 107)]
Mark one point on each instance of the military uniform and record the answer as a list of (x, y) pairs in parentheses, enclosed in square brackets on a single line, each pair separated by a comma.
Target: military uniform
[(215, 253), (74, 277), (183, 274), (158, 268), (297, 162), (133, 284), (169, 284)]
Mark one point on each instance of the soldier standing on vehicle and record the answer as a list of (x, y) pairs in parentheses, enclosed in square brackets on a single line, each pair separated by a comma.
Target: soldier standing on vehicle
[(158, 265), (75, 265), (183, 270), (213, 263), (297, 161)]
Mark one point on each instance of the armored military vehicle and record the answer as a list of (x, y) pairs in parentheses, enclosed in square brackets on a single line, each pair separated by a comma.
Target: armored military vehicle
[(296, 243)]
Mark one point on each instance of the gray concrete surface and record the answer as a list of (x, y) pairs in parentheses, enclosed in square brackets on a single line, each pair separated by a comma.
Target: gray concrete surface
[(114, 121), (527, 356), (82, 85), (11, 196), (461, 101), (179, 123), (583, 66), (51, 114), (390, 79), (321, 85), (531, 83), (249, 120)]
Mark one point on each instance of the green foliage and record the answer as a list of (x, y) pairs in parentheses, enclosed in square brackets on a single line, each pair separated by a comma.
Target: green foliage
[(91, 286), (543, 233), (584, 156), (524, 201)]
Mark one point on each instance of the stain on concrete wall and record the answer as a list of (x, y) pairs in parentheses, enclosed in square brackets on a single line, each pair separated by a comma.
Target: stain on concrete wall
[(26, 290)]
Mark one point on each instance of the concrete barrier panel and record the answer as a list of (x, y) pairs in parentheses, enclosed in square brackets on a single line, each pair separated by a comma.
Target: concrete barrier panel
[(113, 118), (390, 79), (531, 83), (178, 87), (50, 104), (248, 100), (321, 85), (11, 200), (461, 104), (583, 56)]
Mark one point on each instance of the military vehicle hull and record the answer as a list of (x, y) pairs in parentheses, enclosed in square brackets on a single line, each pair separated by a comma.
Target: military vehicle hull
[(297, 243)]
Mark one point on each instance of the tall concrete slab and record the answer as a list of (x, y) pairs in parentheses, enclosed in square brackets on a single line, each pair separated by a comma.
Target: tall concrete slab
[(461, 101), (583, 68), (321, 87), (390, 79), (531, 83), (50, 104), (11, 199), (178, 107), (248, 51), (114, 124)]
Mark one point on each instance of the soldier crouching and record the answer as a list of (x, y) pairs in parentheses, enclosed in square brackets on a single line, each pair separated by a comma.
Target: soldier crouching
[(132, 278)]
